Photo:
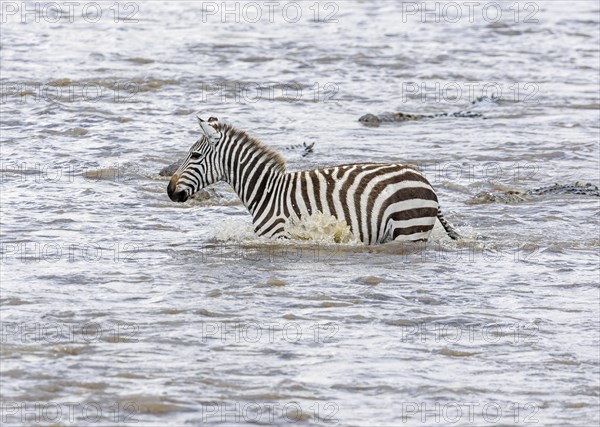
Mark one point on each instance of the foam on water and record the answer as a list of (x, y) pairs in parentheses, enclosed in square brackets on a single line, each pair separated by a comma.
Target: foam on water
[(315, 228), (237, 230), (320, 227)]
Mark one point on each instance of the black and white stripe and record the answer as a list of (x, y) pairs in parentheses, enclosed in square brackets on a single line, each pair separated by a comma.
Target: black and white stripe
[(380, 202)]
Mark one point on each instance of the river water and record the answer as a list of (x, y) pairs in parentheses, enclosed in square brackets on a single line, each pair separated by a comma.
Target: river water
[(119, 306)]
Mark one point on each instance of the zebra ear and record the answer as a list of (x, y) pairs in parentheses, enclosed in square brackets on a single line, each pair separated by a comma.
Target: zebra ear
[(209, 129)]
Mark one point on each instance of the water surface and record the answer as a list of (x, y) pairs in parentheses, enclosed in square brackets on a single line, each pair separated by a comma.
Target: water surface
[(124, 306)]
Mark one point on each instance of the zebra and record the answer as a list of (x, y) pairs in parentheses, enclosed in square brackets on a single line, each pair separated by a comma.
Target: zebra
[(380, 202)]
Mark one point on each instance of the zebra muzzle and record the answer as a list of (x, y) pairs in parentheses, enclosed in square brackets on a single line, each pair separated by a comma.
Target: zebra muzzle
[(176, 196)]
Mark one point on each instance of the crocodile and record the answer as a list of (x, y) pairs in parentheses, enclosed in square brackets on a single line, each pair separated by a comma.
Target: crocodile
[(373, 120), (581, 188), (306, 148), (172, 168)]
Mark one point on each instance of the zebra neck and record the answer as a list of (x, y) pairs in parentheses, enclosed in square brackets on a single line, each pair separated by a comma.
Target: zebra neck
[(256, 179), (251, 168)]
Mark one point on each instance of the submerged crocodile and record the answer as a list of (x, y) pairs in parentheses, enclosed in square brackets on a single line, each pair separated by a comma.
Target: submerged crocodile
[(374, 120), (514, 196), (306, 148), (172, 168)]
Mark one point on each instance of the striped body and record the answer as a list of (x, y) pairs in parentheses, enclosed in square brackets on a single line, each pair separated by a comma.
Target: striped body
[(380, 202)]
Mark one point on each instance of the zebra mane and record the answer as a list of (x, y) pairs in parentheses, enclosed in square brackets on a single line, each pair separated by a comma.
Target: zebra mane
[(267, 152)]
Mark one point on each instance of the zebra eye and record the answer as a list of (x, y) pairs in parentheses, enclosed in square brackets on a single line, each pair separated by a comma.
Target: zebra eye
[(195, 155)]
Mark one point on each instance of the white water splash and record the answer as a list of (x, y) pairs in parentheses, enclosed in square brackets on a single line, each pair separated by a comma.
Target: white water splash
[(236, 230), (317, 227), (322, 228)]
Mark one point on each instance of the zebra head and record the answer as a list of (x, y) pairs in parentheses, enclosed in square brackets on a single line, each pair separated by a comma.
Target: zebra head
[(200, 168)]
